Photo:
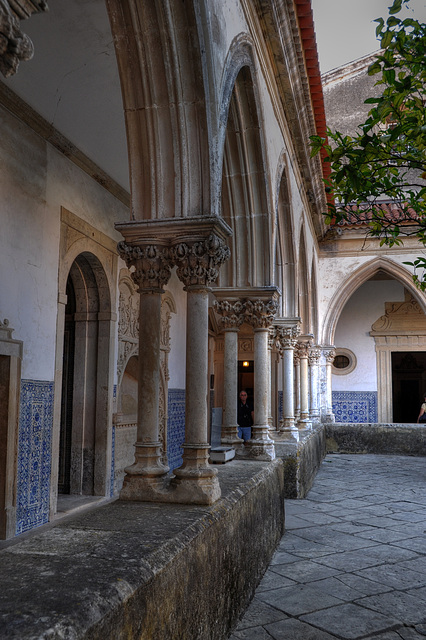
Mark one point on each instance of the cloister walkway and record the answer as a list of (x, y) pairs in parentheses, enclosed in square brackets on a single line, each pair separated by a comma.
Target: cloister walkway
[(352, 563)]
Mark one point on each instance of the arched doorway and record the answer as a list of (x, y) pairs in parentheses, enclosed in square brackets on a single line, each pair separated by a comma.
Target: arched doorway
[(84, 442)]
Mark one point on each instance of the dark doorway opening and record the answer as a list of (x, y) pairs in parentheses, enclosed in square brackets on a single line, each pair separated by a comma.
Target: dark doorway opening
[(246, 378), (64, 472), (408, 384)]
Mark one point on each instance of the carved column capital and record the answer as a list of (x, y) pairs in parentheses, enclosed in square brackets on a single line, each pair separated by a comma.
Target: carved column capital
[(231, 312), (314, 355), (288, 337), (198, 262), (329, 355), (151, 265), (15, 45), (303, 348), (259, 313)]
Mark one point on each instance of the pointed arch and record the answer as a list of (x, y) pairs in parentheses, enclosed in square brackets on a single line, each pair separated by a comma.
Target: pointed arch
[(285, 261), (355, 280), (244, 194), (314, 328), (303, 284), (85, 434), (161, 72)]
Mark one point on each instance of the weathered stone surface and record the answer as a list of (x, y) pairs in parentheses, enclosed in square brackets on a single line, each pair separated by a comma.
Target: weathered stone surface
[(302, 461), (138, 570), (389, 439)]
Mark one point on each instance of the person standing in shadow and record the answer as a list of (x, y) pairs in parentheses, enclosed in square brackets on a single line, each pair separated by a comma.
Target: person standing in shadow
[(245, 416)]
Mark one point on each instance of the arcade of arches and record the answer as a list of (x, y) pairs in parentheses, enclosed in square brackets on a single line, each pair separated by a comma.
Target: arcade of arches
[(133, 310)]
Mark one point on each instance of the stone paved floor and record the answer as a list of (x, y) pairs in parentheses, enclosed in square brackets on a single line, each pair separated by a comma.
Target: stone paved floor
[(352, 563)]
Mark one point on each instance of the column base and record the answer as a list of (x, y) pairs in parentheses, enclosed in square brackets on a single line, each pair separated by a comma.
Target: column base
[(146, 489), (304, 424), (259, 447), (196, 481), (229, 437), (287, 433), (146, 480), (329, 418), (288, 429)]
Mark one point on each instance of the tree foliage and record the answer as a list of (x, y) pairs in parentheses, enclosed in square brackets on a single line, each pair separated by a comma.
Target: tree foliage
[(386, 157)]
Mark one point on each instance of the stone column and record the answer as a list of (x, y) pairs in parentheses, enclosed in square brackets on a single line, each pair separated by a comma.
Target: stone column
[(313, 359), (198, 262), (329, 354), (296, 360), (303, 349), (288, 338), (145, 479), (260, 315), (231, 313)]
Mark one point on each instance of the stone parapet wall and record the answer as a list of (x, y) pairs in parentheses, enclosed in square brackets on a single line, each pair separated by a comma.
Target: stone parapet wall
[(388, 439), (135, 570), (302, 461)]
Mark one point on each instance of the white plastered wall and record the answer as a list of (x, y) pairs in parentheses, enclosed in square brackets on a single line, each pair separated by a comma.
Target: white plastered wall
[(363, 308), (35, 182)]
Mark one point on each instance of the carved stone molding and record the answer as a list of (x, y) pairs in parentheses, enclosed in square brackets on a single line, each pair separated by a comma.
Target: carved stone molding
[(400, 318), (198, 262), (231, 312), (246, 345), (16, 46), (151, 265)]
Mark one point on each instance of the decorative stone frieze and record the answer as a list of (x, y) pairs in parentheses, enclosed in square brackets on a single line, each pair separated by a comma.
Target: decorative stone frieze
[(198, 262), (151, 265), (16, 46)]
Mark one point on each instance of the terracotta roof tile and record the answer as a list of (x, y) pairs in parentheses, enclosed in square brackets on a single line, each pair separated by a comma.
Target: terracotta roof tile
[(390, 211)]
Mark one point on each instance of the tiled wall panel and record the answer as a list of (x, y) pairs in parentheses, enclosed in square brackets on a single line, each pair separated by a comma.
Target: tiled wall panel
[(355, 406), (34, 454), (175, 427)]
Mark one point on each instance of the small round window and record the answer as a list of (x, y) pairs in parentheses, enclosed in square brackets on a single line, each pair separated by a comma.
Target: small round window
[(344, 362)]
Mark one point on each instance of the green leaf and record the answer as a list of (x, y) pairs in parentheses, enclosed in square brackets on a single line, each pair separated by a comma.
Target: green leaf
[(374, 68), (386, 39), (396, 7)]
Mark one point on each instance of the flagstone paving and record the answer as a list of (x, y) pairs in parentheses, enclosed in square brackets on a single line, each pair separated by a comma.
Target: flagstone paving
[(352, 563)]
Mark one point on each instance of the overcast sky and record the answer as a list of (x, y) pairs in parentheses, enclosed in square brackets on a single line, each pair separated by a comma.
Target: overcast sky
[(345, 29)]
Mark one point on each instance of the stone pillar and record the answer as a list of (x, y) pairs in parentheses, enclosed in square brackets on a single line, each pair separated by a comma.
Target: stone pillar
[(198, 261), (145, 478), (296, 384), (313, 359), (260, 315), (231, 313), (329, 353), (288, 338), (303, 352)]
